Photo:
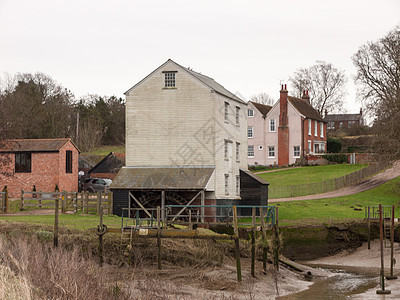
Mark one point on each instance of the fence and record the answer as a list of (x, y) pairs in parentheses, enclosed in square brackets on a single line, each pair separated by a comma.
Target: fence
[(325, 186), (75, 202), (4, 204)]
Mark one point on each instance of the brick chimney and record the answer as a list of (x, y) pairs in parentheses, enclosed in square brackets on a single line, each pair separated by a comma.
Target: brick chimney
[(306, 96), (283, 128)]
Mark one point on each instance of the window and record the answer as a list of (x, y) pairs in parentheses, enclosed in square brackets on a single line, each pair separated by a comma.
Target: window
[(169, 79), (341, 124), (250, 151), (315, 128), (250, 113), (260, 147), (272, 125), (296, 151), (23, 162), (309, 146), (331, 125), (237, 151), (250, 132), (271, 151), (226, 184), (226, 111), (309, 127), (322, 129), (237, 115), (226, 150), (68, 161), (237, 184)]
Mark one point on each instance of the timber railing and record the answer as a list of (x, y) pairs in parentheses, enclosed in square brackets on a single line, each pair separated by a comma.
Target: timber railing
[(69, 202), (329, 185)]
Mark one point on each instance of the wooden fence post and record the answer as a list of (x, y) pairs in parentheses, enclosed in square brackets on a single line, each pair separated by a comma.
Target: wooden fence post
[(63, 202), (87, 201), (369, 228), (98, 202), (276, 240), (253, 242), (56, 223), (75, 195), (264, 239), (237, 245), (21, 204), (110, 202), (158, 237), (6, 202)]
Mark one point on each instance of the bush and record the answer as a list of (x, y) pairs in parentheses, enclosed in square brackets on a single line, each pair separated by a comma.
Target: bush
[(334, 145), (336, 158)]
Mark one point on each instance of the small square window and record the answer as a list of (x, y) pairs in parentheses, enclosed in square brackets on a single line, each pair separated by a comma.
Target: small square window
[(250, 113), (169, 79), (23, 162), (296, 151)]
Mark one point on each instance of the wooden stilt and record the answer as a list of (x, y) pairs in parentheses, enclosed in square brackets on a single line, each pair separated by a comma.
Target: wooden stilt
[(253, 242), (55, 237), (237, 245), (391, 276), (382, 272)]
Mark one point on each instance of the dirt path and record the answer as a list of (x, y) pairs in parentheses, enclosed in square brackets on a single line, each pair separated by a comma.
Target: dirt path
[(365, 185)]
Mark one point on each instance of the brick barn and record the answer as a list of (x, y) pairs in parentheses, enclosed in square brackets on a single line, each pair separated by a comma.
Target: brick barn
[(43, 163)]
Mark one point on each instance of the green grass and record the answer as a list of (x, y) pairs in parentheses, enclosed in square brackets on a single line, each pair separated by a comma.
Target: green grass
[(104, 150), (78, 221), (341, 208), (305, 175)]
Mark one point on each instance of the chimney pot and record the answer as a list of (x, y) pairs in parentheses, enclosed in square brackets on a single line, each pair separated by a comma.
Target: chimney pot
[(285, 87)]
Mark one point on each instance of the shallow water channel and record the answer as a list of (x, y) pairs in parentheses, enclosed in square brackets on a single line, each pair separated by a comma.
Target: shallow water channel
[(344, 283)]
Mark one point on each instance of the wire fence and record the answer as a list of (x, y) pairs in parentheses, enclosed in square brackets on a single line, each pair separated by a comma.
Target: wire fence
[(338, 183)]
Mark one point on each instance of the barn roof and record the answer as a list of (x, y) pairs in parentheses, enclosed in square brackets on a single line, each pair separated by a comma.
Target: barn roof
[(34, 145), (162, 178), (343, 117), (112, 163), (262, 108)]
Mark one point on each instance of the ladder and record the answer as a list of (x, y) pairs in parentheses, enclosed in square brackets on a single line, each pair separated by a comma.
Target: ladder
[(126, 237)]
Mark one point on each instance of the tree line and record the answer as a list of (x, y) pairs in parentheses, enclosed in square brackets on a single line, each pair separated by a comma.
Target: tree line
[(34, 106)]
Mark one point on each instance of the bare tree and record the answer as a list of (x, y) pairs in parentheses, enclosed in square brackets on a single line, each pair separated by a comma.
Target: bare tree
[(263, 98), (325, 83), (378, 81)]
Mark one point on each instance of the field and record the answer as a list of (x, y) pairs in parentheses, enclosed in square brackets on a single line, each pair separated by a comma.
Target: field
[(104, 150), (305, 175), (339, 209)]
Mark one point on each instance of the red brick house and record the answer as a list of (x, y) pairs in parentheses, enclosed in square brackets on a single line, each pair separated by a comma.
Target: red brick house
[(343, 121), (43, 163), (290, 130)]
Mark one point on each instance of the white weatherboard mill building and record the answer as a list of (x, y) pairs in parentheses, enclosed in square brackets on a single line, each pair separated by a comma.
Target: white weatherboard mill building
[(186, 137)]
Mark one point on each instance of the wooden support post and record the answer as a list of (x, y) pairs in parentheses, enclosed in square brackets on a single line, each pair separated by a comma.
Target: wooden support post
[(6, 201), (190, 220), (163, 206), (382, 271), (40, 198), (111, 203), (276, 240), (101, 235), (264, 239), (98, 203), (369, 228), (158, 238), (202, 205), (391, 277), (237, 245), (63, 202), (21, 204), (253, 242), (87, 201), (75, 195), (56, 224)]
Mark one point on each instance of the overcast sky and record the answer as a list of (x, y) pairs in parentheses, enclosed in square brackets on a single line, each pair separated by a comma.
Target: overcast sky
[(105, 47)]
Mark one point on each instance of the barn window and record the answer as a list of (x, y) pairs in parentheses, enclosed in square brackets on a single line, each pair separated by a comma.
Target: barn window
[(169, 79), (68, 161), (23, 162), (226, 184)]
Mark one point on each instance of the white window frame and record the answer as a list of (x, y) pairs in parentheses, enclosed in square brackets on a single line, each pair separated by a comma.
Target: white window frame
[(309, 126), (250, 132), (272, 125), (294, 151), (322, 129), (237, 151), (226, 150), (249, 151), (271, 149), (226, 111), (309, 146), (250, 113), (237, 116), (226, 184), (315, 128), (237, 184)]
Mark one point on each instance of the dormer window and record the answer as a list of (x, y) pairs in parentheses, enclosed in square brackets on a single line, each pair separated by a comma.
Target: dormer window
[(169, 79)]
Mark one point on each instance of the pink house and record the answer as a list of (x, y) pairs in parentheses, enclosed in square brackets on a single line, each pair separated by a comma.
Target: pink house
[(43, 163), (290, 130)]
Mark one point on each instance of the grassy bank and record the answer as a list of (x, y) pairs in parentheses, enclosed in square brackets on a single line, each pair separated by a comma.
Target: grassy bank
[(305, 175), (341, 208)]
